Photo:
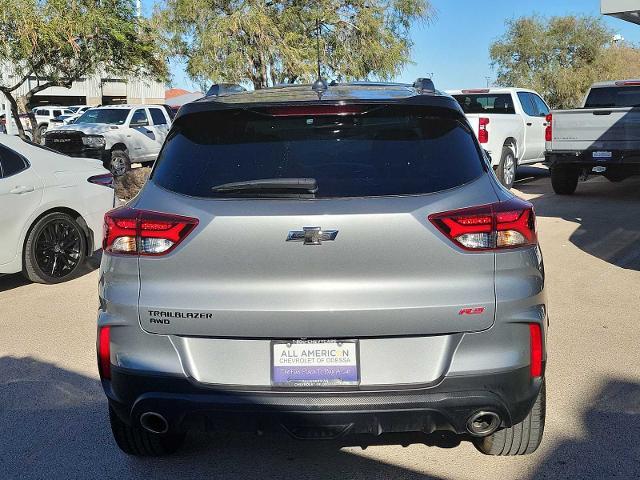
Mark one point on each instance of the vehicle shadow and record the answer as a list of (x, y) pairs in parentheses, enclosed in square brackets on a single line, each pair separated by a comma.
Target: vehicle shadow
[(54, 424), (608, 227), (17, 280), (610, 446)]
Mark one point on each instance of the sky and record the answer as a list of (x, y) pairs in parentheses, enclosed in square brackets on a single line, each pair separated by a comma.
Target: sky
[(454, 46)]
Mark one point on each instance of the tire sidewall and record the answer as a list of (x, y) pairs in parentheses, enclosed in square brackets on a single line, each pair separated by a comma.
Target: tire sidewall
[(31, 268), (506, 154)]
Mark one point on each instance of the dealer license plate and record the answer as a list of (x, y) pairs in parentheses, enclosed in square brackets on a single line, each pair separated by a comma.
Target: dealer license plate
[(313, 363), (602, 155)]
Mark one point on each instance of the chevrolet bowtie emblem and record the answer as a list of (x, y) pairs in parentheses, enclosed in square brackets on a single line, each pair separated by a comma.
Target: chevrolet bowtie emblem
[(311, 235)]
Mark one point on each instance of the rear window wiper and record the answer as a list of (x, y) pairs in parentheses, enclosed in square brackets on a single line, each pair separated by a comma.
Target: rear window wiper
[(269, 185)]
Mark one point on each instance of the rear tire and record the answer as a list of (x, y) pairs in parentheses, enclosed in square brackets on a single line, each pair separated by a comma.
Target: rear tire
[(55, 249), (520, 439), (506, 171), (134, 440), (564, 180)]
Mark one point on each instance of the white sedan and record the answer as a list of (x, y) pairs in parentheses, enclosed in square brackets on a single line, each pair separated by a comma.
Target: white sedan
[(51, 210)]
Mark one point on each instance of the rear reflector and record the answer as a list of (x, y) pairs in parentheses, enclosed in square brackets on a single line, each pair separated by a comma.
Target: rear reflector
[(106, 180), (315, 110), (535, 333), (496, 226), (483, 133), (128, 231), (104, 352)]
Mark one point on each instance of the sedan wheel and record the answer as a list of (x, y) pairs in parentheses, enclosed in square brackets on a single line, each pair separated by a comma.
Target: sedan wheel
[(55, 249)]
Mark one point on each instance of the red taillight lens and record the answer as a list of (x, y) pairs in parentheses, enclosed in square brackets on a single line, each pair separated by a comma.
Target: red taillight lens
[(129, 231), (488, 227), (104, 352), (548, 132), (483, 133), (315, 110), (106, 180), (535, 333)]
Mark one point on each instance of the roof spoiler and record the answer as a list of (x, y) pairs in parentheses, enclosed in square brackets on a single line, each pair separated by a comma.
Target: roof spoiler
[(424, 85)]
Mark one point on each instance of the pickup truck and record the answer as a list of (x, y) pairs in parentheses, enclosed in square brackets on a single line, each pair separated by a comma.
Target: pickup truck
[(119, 135), (601, 138), (510, 125)]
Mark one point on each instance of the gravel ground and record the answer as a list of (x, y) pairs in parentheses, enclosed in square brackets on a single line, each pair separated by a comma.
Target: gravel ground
[(53, 422)]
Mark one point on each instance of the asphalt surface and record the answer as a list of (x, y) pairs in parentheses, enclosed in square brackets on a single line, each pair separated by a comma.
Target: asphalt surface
[(53, 422)]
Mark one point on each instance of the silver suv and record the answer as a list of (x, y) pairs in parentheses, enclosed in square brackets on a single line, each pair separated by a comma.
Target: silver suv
[(331, 263)]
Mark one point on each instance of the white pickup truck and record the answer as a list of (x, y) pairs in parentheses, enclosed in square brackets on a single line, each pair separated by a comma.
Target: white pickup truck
[(602, 137), (119, 135), (510, 125)]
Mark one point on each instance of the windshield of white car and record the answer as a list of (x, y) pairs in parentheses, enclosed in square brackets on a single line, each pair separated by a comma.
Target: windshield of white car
[(111, 116)]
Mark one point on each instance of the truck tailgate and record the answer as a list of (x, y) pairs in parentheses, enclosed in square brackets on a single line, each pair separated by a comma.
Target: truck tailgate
[(596, 129)]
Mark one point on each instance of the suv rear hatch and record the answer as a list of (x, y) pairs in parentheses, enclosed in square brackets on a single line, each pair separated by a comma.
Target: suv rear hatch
[(380, 172)]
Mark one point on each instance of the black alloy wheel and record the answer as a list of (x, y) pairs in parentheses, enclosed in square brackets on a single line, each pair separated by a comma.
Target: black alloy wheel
[(55, 249)]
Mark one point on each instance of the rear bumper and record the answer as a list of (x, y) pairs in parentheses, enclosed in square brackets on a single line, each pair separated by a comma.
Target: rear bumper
[(620, 160), (446, 406)]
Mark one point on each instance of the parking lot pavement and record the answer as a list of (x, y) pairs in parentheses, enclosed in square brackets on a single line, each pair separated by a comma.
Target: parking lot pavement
[(53, 421)]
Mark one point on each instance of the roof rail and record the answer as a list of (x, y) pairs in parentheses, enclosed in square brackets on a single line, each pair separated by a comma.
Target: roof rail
[(424, 85)]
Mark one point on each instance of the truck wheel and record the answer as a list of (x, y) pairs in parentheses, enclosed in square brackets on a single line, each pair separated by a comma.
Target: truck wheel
[(42, 129), (134, 440), (522, 438), (564, 180), (506, 171), (55, 249), (119, 163)]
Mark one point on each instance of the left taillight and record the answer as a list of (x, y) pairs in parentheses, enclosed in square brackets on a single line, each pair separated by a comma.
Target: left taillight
[(129, 231), (106, 180), (548, 131), (483, 132), (495, 226), (104, 352)]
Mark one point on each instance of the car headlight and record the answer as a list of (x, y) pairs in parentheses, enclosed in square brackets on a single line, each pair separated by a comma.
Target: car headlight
[(93, 141)]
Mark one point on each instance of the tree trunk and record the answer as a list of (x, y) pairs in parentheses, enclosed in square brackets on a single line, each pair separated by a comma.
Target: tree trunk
[(14, 112), (23, 103)]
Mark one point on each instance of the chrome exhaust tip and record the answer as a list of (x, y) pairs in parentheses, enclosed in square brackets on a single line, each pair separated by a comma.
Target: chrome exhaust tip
[(154, 422), (483, 423)]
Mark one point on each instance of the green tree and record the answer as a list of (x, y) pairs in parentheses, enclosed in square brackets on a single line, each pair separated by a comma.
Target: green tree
[(561, 57), (61, 41), (272, 42)]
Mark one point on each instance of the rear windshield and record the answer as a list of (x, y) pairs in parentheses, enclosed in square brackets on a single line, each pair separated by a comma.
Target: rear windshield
[(486, 103), (613, 97), (387, 151)]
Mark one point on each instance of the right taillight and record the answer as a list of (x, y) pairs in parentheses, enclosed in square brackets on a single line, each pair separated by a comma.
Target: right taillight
[(548, 132), (128, 231), (535, 335), (496, 226), (483, 133)]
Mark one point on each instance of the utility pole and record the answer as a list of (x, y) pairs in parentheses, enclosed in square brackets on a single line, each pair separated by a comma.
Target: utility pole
[(488, 79), (143, 96)]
